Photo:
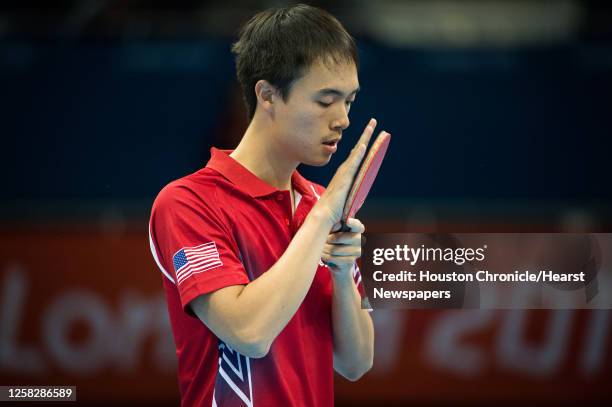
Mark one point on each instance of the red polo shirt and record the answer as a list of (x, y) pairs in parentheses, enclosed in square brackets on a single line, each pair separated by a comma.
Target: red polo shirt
[(223, 226)]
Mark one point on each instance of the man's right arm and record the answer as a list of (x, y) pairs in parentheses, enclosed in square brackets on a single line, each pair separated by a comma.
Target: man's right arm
[(249, 317)]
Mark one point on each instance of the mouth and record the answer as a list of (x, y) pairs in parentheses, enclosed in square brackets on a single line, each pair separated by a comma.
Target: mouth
[(331, 145), (333, 142)]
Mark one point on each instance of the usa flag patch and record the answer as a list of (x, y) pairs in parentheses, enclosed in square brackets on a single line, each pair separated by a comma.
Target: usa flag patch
[(194, 260)]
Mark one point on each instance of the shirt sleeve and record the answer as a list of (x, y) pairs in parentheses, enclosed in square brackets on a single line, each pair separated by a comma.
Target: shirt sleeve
[(193, 244)]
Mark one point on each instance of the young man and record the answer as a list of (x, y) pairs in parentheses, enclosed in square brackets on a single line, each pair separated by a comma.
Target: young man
[(258, 319)]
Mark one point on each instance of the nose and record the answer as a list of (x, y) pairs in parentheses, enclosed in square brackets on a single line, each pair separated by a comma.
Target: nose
[(342, 122)]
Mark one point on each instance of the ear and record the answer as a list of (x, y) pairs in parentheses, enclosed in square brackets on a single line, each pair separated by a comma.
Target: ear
[(267, 95)]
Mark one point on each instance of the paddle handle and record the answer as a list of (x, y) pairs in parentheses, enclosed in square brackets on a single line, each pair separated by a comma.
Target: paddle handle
[(343, 227)]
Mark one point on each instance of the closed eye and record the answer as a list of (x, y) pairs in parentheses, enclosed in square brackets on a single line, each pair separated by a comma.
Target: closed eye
[(325, 104)]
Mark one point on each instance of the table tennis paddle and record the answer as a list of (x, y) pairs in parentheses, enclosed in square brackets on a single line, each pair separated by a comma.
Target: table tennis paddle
[(364, 179)]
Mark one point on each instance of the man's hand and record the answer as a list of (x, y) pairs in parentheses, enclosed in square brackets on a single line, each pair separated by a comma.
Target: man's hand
[(343, 248), (333, 200)]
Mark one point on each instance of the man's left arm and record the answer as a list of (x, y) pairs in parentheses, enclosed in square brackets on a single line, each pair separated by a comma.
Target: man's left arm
[(352, 326)]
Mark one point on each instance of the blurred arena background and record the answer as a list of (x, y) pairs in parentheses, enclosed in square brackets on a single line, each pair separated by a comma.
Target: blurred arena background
[(501, 118)]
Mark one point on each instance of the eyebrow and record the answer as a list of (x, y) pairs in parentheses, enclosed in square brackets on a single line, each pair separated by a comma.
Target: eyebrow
[(336, 92)]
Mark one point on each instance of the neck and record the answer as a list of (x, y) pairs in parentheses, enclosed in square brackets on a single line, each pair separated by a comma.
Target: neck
[(260, 153)]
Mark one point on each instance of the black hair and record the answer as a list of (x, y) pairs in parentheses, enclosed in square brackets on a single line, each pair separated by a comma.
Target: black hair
[(279, 45)]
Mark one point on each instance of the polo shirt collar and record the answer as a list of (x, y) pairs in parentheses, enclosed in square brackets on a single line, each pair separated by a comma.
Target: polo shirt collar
[(244, 179)]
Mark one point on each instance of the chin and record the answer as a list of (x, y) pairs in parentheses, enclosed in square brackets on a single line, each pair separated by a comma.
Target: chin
[(318, 163)]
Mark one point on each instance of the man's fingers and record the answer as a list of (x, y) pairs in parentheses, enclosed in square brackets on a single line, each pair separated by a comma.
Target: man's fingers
[(346, 172), (344, 238), (367, 133), (332, 250), (360, 148), (355, 225), (339, 187)]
